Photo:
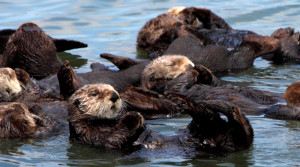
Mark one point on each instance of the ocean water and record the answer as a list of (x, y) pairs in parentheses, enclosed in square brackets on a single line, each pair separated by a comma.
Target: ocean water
[(112, 26)]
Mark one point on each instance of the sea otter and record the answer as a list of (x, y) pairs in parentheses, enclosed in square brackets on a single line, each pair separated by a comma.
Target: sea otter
[(205, 38), (60, 44), (162, 29), (289, 110), (31, 49), (93, 111), (18, 121), (44, 114), (96, 116), (219, 59), (289, 41), (197, 83), (164, 68)]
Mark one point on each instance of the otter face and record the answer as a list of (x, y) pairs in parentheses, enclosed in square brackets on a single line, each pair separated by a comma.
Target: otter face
[(166, 67), (97, 100), (160, 28), (9, 84), (16, 121), (186, 16)]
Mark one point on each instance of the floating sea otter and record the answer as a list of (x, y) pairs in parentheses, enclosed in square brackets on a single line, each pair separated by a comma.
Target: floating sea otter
[(24, 111), (289, 110), (207, 39), (197, 83), (93, 111), (92, 119), (31, 49)]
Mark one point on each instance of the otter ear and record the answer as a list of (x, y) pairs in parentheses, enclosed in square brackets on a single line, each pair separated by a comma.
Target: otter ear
[(22, 76)]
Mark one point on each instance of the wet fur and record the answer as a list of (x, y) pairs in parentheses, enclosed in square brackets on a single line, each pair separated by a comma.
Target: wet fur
[(29, 48), (102, 127), (164, 68)]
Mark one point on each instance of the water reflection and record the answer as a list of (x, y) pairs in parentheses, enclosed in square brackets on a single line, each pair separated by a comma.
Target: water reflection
[(76, 61)]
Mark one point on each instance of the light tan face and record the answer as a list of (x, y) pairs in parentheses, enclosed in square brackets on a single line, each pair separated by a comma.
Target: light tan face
[(167, 67), (98, 100), (9, 84)]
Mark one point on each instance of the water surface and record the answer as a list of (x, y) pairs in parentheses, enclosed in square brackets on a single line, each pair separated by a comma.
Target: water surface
[(112, 26)]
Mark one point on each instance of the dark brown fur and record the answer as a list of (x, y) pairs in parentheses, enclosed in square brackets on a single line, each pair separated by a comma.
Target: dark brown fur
[(60, 44), (206, 132), (292, 94), (68, 81), (17, 121), (120, 80), (209, 19), (31, 49), (113, 133), (219, 59)]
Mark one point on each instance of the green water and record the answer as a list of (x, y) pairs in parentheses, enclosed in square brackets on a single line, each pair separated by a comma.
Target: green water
[(112, 26)]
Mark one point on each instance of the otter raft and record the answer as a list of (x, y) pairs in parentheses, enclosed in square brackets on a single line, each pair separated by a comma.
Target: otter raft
[(149, 83)]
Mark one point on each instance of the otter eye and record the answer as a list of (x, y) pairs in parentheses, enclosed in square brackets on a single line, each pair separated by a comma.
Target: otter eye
[(143, 37), (8, 90), (77, 101), (94, 93)]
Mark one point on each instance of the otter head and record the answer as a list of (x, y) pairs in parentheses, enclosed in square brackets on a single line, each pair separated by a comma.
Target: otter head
[(160, 30), (97, 100), (9, 84), (164, 68), (16, 121), (292, 94), (186, 16), (31, 49)]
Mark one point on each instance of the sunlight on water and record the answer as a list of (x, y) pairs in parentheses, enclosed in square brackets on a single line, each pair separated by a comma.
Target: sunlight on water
[(112, 26)]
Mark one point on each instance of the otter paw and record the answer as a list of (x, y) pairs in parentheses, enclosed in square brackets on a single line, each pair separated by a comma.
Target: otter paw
[(132, 120)]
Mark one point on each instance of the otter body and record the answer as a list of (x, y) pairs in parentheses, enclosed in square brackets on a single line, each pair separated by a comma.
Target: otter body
[(31, 49), (97, 127), (212, 42)]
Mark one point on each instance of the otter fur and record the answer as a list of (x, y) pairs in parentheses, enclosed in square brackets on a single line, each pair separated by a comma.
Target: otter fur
[(289, 110), (31, 49), (164, 68), (9, 85), (206, 132), (214, 38), (19, 121), (93, 111)]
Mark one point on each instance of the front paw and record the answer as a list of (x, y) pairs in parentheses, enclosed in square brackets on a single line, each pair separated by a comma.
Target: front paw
[(133, 120)]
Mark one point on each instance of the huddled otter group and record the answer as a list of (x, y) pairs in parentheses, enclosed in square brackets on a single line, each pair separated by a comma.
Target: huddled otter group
[(108, 108)]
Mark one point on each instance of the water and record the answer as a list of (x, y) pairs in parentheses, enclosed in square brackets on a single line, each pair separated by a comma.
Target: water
[(112, 26)]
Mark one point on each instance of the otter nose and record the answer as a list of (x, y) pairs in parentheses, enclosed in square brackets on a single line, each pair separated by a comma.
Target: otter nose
[(114, 97)]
